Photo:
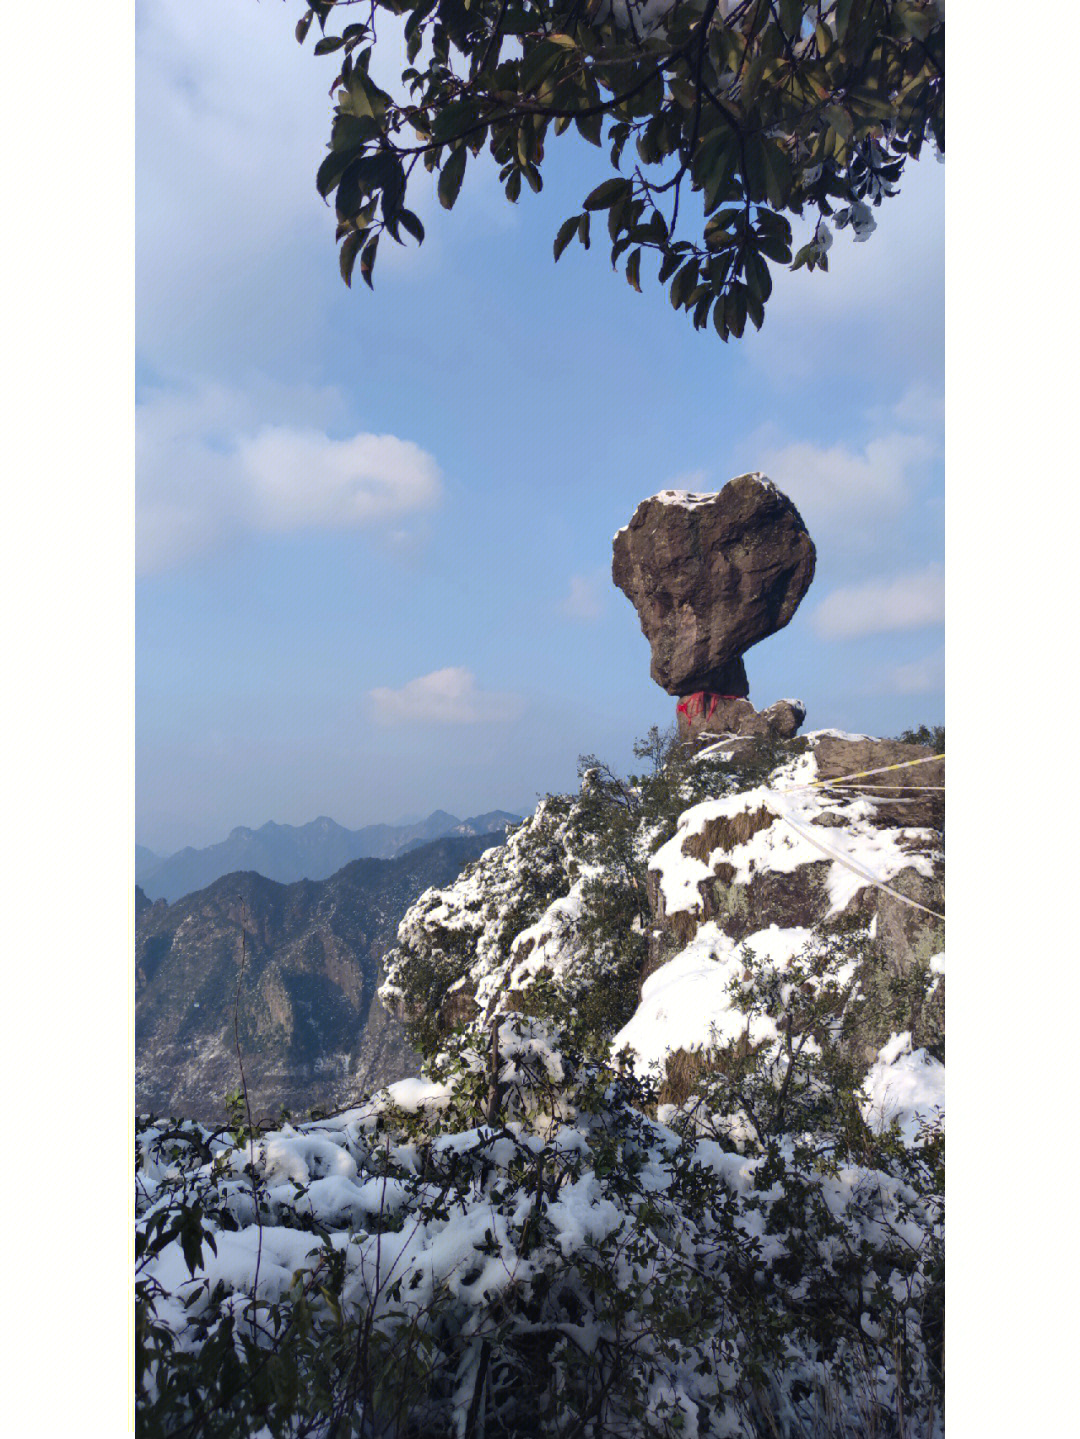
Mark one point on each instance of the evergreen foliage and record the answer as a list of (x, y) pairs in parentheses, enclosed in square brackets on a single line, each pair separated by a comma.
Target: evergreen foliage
[(722, 120)]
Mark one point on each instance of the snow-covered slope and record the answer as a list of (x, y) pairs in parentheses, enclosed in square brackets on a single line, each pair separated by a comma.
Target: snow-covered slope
[(795, 865)]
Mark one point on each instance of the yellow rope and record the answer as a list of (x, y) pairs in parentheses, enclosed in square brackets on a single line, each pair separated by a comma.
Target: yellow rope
[(866, 773)]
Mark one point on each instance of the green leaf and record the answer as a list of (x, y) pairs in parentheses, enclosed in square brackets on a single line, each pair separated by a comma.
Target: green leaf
[(367, 260), (755, 309), (418, 16), (777, 170), (411, 223), (450, 177), (607, 193), (803, 255), (736, 310), (683, 283), (352, 132), (775, 248), (791, 13), (758, 278), (567, 231), (917, 21), (591, 127), (331, 170), (633, 270), (455, 119), (329, 43), (350, 248), (365, 97), (303, 25), (538, 64)]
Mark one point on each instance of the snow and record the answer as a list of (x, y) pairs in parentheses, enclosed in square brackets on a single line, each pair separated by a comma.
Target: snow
[(275, 1252), (814, 734), (581, 1215), (415, 1094), (683, 499), (292, 1156), (859, 851), (548, 946), (686, 1004), (691, 500), (905, 1087)]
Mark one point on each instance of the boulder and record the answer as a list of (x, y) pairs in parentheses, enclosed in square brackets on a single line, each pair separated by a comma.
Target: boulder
[(710, 575), (709, 714)]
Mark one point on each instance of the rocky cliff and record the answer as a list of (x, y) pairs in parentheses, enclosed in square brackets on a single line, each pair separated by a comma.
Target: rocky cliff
[(293, 968), (637, 910)]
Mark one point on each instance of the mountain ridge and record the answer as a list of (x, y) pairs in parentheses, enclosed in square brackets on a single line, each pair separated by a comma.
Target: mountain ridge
[(287, 853)]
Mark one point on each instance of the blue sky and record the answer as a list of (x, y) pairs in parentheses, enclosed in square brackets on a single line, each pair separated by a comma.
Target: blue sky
[(451, 637)]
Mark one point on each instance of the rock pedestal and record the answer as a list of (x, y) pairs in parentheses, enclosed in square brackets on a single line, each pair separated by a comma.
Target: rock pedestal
[(709, 714)]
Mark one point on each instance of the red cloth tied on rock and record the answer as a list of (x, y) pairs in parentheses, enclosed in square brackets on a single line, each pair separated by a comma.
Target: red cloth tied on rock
[(694, 705), (701, 703)]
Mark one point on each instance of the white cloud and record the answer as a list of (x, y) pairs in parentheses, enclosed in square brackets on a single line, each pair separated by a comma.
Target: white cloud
[(447, 696), (908, 602), (838, 484), (917, 678), (921, 407), (299, 479), (231, 123), (584, 600), (208, 468)]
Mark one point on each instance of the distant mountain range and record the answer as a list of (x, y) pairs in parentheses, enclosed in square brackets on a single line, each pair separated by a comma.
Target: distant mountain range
[(303, 999), (287, 852)]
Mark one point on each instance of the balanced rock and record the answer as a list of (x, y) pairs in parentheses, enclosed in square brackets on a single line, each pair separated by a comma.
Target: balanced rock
[(710, 575)]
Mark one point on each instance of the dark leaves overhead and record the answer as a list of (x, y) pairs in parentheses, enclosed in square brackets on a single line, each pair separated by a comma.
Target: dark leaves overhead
[(722, 119)]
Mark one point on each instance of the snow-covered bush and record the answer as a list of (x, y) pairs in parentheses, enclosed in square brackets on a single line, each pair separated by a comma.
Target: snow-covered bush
[(572, 1268)]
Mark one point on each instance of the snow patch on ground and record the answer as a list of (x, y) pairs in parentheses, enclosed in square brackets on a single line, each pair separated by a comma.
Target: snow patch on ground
[(687, 1003), (904, 1086), (414, 1094)]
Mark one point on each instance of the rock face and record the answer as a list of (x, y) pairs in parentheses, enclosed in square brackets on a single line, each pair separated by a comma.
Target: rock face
[(739, 864), (710, 575), (311, 1030)]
